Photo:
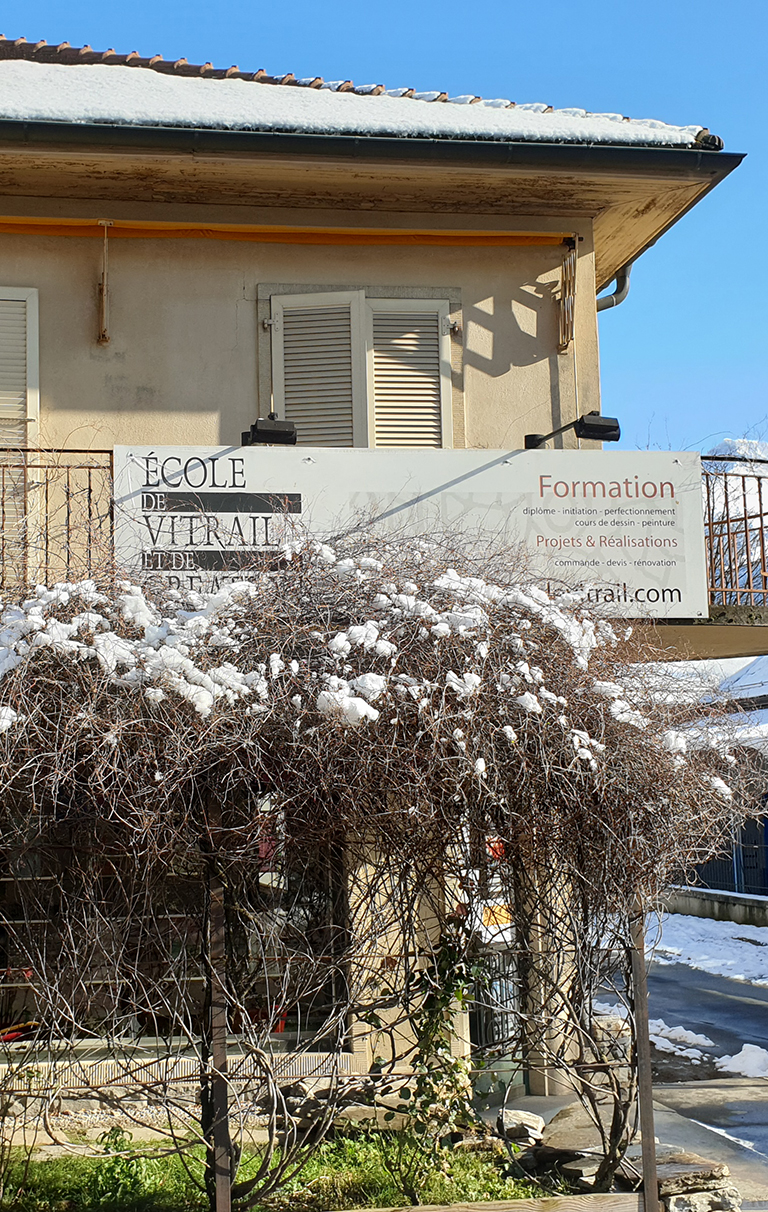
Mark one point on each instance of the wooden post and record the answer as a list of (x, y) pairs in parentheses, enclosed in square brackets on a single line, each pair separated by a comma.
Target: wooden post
[(643, 1045), (222, 1147)]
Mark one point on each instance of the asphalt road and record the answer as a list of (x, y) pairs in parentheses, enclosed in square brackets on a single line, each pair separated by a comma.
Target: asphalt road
[(731, 1013)]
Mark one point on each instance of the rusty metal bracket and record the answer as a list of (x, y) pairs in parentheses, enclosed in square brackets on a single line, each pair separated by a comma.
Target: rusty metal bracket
[(567, 301), (103, 337)]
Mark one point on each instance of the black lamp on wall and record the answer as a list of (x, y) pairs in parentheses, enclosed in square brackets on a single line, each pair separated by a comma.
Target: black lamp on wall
[(592, 427), (269, 431)]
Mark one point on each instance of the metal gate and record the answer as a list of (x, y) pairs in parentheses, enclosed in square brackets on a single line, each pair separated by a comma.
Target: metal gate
[(495, 1001)]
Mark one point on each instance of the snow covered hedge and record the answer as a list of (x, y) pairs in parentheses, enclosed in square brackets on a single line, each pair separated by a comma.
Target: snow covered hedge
[(398, 687)]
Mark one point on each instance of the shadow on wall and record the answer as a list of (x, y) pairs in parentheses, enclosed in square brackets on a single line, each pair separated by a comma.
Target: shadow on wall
[(520, 328), (521, 325)]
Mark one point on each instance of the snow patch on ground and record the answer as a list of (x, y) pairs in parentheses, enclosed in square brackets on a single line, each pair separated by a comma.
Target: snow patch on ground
[(723, 948), (678, 1040), (611, 1009), (751, 1061), (678, 1035)]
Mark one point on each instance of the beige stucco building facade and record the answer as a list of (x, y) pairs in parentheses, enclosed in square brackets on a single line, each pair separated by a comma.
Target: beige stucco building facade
[(465, 241), (189, 361)]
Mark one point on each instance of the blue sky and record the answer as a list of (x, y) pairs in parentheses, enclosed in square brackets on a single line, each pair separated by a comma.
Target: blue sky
[(684, 358)]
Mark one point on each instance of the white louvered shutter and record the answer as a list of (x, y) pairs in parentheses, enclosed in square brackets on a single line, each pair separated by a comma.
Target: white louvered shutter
[(18, 416), (318, 366), (17, 379), (409, 373)]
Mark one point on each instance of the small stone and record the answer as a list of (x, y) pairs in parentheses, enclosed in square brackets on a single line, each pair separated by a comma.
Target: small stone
[(724, 1199), (480, 1144), (519, 1125), (296, 1090), (580, 1167)]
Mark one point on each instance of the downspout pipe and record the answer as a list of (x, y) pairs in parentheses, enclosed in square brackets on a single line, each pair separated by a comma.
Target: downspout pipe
[(621, 291)]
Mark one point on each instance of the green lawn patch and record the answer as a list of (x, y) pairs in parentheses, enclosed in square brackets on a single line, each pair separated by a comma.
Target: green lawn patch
[(350, 1172)]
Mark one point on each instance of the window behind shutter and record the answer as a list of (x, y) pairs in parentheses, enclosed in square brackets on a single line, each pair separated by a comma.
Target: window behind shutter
[(410, 374), (318, 366)]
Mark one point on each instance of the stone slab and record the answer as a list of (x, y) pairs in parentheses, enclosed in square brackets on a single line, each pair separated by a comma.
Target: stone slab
[(726, 1199), (573, 1130), (516, 1124), (675, 1178)]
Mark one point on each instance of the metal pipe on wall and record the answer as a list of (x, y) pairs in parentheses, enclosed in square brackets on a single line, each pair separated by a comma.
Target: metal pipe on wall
[(621, 291)]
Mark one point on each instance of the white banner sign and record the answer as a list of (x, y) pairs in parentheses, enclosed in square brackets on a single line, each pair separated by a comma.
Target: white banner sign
[(627, 527)]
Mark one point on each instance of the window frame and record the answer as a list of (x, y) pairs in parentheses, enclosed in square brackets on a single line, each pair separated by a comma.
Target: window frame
[(448, 298)]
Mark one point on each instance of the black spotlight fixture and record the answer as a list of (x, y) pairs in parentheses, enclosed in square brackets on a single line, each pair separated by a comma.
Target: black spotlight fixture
[(269, 431), (592, 427)]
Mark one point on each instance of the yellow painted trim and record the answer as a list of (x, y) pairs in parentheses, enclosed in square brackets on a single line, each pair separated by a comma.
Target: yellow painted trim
[(148, 229)]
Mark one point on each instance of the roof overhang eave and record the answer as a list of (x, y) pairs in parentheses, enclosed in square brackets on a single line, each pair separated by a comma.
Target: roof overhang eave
[(665, 182), (571, 157)]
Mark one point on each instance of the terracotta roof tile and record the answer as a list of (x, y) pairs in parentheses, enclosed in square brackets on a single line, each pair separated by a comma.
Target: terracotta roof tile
[(41, 52), (63, 53)]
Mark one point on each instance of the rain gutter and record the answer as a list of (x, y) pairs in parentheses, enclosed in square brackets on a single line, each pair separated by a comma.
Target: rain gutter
[(492, 152)]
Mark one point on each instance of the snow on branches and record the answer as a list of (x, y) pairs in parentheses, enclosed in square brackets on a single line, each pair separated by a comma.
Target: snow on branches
[(405, 687)]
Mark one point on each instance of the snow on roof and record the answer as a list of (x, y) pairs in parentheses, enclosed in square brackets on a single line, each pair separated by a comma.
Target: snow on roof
[(738, 730), (685, 682), (740, 448), (748, 683), (103, 92), (750, 730)]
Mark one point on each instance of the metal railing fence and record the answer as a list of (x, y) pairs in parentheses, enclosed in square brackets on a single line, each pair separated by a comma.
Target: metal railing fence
[(735, 493), (56, 521)]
